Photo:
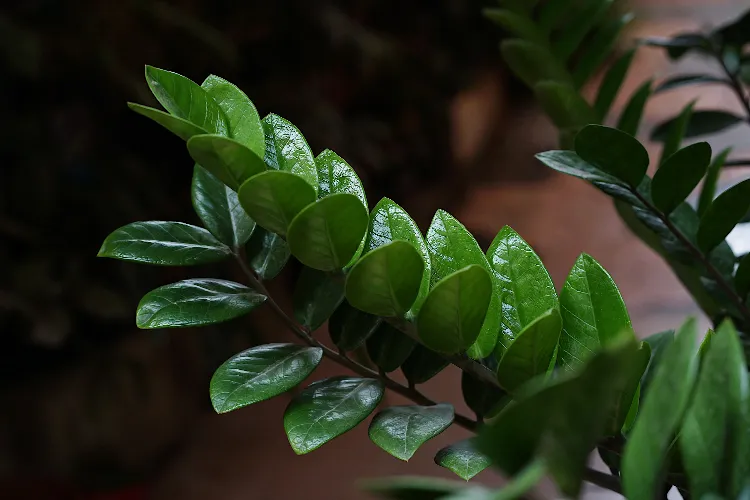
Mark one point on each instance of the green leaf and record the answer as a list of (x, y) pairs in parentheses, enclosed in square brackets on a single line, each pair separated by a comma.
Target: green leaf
[(589, 16), (413, 487), (274, 198), (268, 253), (287, 150), (613, 151), (525, 288), (742, 277), (423, 364), (680, 44), (658, 343), (569, 163), (532, 63), (219, 209), (186, 99), (723, 214), (593, 312), (480, 396), (316, 296), (563, 104), (631, 116), (164, 244), (401, 430), (451, 318), (627, 404), (531, 352), (675, 133), (516, 24), (702, 122), (680, 81), (386, 281), (243, 119), (660, 415), (462, 459), (389, 348), (599, 49), (709, 183), (227, 159), (679, 175), (261, 373), (350, 327), (389, 222), (612, 83), (178, 126), (328, 408), (327, 233), (523, 482), (196, 302), (715, 418)]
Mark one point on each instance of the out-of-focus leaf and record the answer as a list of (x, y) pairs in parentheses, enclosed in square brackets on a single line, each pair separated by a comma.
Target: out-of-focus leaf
[(613, 151), (588, 16), (599, 48), (631, 116), (287, 150), (709, 183), (480, 396), (516, 24), (680, 44), (679, 175), (564, 104), (675, 133), (413, 487), (612, 83), (422, 364), (316, 296), (462, 459), (227, 159), (389, 348), (268, 253), (726, 211), (531, 62), (742, 277), (702, 122), (350, 327), (401, 430), (680, 81)]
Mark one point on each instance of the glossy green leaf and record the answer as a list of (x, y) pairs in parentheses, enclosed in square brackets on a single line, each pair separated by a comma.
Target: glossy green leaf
[(658, 343), (612, 83), (715, 418), (186, 99), (267, 253), (599, 49), (389, 348), (709, 183), (680, 81), (531, 62), (593, 312), (287, 150), (613, 151), (178, 126), (516, 24), (564, 105), (327, 233), (219, 209), (350, 327), (723, 214), (569, 163), (164, 243), (702, 122), (386, 281), (451, 318), (242, 117), (317, 295), (389, 222), (423, 364), (662, 409), (627, 404), (274, 198), (480, 396), (531, 352), (261, 373), (228, 160), (679, 175), (525, 288), (675, 133), (196, 302), (328, 408), (401, 430), (587, 17), (462, 459), (631, 116)]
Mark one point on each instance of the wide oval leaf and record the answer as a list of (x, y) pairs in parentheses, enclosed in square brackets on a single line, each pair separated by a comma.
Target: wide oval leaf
[(261, 373), (287, 150), (196, 302), (274, 198), (462, 459), (220, 210), (678, 176), (228, 160), (326, 234), (593, 312), (726, 211), (401, 430), (423, 364), (389, 348), (350, 328), (316, 296), (164, 243), (451, 318), (186, 99), (242, 117), (178, 126), (328, 408), (386, 281), (267, 253), (613, 151)]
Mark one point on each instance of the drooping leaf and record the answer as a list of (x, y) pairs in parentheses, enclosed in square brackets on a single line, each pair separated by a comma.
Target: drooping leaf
[(186, 99), (680, 81), (612, 83), (531, 62), (563, 104), (327, 233), (261, 373), (630, 119), (679, 175), (164, 243), (709, 183), (317, 295), (227, 159), (661, 412), (268, 253), (613, 151), (401, 430), (328, 408), (389, 348), (274, 198), (599, 48), (462, 459), (422, 364), (287, 150), (480, 396), (702, 122), (587, 17), (350, 327), (196, 302), (178, 126), (726, 211), (242, 117), (219, 209)]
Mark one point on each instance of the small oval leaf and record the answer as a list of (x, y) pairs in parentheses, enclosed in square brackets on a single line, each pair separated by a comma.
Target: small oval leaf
[(726, 211), (228, 160), (389, 348), (316, 297), (401, 430), (267, 253), (350, 328), (462, 459), (423, 364), (679, 175), (613, 151), (287, 150)]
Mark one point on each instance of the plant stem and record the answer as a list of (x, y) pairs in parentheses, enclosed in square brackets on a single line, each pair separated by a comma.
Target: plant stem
[(603, 480)]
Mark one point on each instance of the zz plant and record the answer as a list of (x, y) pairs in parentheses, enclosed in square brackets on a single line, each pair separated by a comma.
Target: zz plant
[(550, 378)]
